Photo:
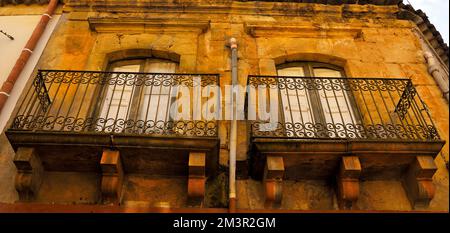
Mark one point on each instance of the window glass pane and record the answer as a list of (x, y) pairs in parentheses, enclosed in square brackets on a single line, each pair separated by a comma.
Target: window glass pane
[(295, 101), (157, 100), (116, 103), (127, 68), (335, 101), (324, 72), (292, 71), (160, 66)]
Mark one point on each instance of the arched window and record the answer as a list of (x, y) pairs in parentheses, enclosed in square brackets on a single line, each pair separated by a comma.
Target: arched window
[(126, 98), (316, 105)]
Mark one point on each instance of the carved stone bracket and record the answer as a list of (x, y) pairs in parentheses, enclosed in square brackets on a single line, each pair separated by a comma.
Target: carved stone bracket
[(273, 181), (348, 181), (29, 173), (418, 181), (112, 176), (197, 178)]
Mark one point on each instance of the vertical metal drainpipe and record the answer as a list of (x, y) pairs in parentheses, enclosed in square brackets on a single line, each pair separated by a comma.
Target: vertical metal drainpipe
[(8, 85), (233, 133)]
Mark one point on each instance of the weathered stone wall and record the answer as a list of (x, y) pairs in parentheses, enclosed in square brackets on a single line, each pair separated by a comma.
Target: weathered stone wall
[(366, 40)]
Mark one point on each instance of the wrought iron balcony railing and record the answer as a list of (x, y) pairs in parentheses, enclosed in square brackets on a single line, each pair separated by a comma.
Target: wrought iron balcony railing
[(344, 108), (111, 102)]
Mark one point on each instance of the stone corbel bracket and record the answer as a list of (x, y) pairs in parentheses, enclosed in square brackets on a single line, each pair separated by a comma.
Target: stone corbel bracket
[(112, 176), (274, 29), (418, 181), (29, 173), (156, 25), (273, 181), (348, 182), (197, 178)]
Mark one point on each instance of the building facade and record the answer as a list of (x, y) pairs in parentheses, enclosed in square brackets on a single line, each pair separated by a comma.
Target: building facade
[(128, 108)]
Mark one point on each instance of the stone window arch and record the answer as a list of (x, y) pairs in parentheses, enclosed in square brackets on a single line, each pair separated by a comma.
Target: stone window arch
[(140, 53)]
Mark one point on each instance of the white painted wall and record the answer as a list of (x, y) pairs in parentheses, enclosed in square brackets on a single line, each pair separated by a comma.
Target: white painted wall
[(20, 27)]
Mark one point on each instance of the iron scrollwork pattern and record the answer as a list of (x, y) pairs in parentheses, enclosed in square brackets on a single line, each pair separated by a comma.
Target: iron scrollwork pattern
[(382, 109), (75, 93), (405, 103), (41, 92)]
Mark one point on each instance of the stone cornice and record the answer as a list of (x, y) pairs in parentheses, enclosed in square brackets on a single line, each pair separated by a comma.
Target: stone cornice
[(147, 25), (333, 2), (256, 29), (340, 2), (257, 8)]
